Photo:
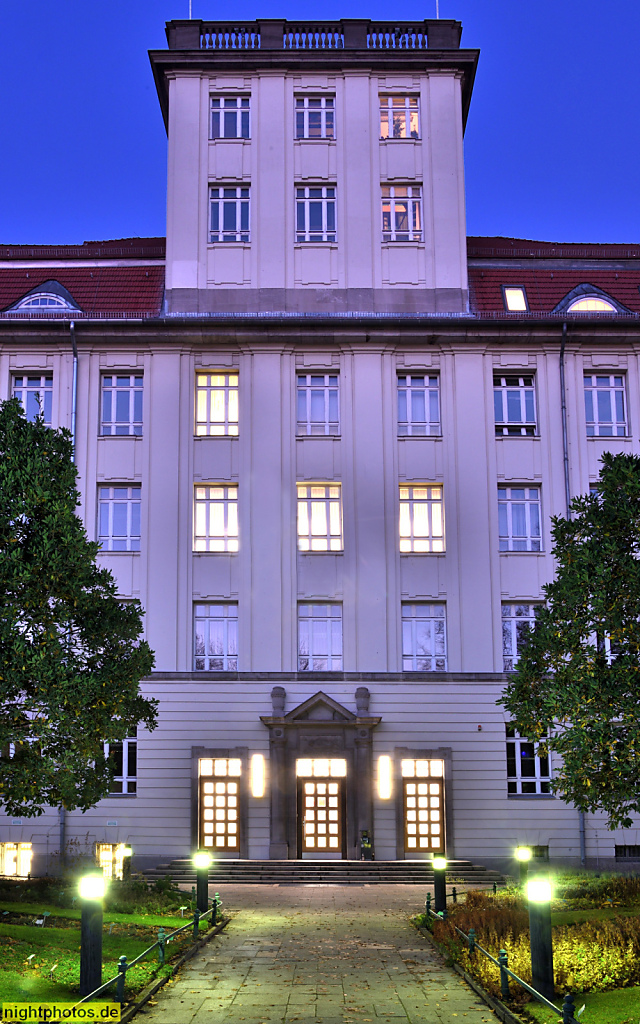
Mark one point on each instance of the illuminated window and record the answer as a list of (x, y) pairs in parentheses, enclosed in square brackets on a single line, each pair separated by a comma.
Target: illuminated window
[(399, 117), (215, 645), (421, 518), (519, 518), (605, 405), (515, 299), (123, 756), (319, 517), (315, 117), (110, 858), (44, 300), (229, 213), (514, 405), (230, 117), (318, 403), (216, 404), (423, 800), (215, 517), (319, 637), (219, 806), (121, 405), (119, 518), (401, 213), (418, 405), (517, 620), (591, 304), (322, 767), (424, 641), (528, 771), (15, 859), (315, 213), (34, 392)]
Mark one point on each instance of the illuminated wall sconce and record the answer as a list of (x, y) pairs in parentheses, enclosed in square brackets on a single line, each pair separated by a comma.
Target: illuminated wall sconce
[(257, 775), (384, 777)]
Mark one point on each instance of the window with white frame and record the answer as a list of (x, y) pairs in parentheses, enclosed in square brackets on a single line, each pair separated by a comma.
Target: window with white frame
[(315, 213), (319, 637), (216, 403), (318, 409), (215, 517), (605, 405), (315, 117), (123, 758), (421, 518), (34, 391), (519, 518), (517, 620), (229, 213), (215, 638), (319, 517), (121, 405), (230, 117), (399, 117), (528, 770), (418, 405), (514, 404), (401, 213), (119, 517), (424, 639)]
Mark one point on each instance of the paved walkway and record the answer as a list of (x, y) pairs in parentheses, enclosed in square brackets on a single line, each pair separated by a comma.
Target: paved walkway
[(325, 954)]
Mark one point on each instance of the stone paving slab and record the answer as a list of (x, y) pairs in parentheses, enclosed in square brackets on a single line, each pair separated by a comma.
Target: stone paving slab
[(318, 954)]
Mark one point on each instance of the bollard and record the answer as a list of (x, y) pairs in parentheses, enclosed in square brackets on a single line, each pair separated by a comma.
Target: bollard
[(428, 904), (454, 894), (472, 941), (568, 1009), (196, 922), (495, 888), (503, 960), (443, 914), (193, 895), (91, 894), (122, 974), (216, 904), (161, 943), (539, 897)]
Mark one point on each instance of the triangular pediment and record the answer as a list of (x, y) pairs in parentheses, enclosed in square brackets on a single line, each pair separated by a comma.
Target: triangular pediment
[(320, 708)]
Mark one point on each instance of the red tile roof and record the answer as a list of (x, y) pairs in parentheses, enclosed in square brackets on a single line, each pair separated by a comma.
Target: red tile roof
[(109, 290), (514, 248), (114, 248), (546, 288)]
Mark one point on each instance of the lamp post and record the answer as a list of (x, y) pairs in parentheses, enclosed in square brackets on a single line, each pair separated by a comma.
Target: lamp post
[(523, 856), (127, 854), (439, 865), (91, 894), (202, 862), (539, 897)]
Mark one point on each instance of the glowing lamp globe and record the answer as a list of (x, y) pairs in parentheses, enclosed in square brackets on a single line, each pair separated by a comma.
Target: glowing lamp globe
[(539, 890), (523, 853), (202, 860), (439, 863), (92, 887)]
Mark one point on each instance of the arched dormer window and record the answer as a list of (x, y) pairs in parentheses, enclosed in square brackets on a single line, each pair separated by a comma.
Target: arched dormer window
[(588, 298), (591, 304), (48, 297), (43, 300)]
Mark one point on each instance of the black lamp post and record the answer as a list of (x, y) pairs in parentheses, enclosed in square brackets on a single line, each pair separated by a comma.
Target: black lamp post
[(523, 856), (202, 863), (91, 894), (539, 897), (440, 883)]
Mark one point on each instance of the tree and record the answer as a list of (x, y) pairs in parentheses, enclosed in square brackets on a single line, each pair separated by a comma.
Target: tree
[(576, 686), (70, 657)]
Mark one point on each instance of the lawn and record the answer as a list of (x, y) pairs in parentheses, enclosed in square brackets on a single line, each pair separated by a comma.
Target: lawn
[(621, 1006)]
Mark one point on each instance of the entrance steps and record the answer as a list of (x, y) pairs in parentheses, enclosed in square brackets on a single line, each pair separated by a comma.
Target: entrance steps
[(332, 872)]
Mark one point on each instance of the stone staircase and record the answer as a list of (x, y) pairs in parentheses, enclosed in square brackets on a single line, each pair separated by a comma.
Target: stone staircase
[(327, 872)]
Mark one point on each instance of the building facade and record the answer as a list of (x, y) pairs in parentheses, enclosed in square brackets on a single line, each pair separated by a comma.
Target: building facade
[(320, 438)]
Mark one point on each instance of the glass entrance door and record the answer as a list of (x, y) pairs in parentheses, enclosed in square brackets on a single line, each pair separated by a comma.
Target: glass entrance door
[(219, 816), (423, 798), (321, 806)]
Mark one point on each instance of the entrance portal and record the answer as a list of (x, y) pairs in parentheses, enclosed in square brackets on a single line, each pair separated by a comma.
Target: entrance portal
[(321, 807)]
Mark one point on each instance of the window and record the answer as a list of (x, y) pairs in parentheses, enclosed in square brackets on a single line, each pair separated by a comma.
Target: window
[(315, 117), (319, 517), (424, 644), (401, 213), (122, 405), (215, 517), (517, 620), (423, 799), (216, 404), (315, 213), (418, 405), (219, 812), (123, 757), (515, 298), (514, 405), (34, 392), (594, 304), (604, 405), (215, 644), (318, 403), (527, 770), (319, 637), (230, 117), (421, 518), (15, 859), (628, 852), (110, 859), (119, 518), (399, 117), (519, 518), (45, 300), (229, 213)]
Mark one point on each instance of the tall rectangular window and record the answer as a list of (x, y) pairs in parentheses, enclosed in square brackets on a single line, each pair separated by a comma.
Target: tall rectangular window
[(315, 117), (215, 517), (229, 213), (517, 620), (119, 518), (15, 859), (319, 637), (421, 518), (219, 804), (528, 771), (216, 404), (315, 213), (418, 405), (230, 117), (605, 405), (121, 405), (401, 213), (424, 640), (519, 518), (34, 391), (399, 117), (319, 517), (215, 641), (123, 757), (514, 405), (318, 407)]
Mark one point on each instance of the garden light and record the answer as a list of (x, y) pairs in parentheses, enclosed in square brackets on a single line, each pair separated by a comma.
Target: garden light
[(539, 890), (202, 862), (539, 895), (439, 865), (92, 888), (127, 852), (523, 854)]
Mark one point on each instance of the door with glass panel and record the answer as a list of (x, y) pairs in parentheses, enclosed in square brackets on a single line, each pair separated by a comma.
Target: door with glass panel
[(423, 805), (321, 806), (219, 804)]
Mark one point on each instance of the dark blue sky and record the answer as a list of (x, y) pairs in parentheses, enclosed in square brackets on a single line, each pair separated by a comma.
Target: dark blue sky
[(552, 144)]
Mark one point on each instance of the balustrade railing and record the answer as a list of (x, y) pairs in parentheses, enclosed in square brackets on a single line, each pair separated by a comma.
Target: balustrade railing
[(216, 36), (313, 37), (350, 34), (396, 37)]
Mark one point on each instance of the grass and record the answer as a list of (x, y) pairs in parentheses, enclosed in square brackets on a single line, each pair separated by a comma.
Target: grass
[(33, 910), (597, 914), (621, 1006)]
